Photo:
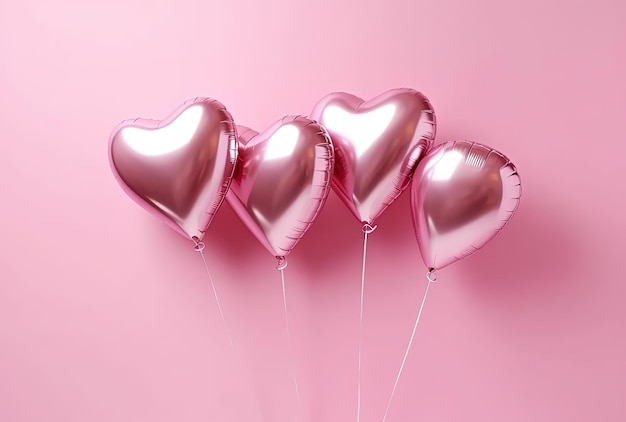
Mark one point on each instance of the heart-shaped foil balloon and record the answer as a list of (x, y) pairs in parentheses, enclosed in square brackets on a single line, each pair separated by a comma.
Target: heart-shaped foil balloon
[(282, 180), (378, 144), (180, 168), (462, 195)]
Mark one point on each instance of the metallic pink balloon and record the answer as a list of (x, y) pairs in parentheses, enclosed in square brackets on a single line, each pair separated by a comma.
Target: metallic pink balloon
[(282, 180), (378, 144), (178, 169), (463, 194)]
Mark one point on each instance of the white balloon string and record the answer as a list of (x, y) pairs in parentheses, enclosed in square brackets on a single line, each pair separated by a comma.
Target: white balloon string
[(431, 278), (199, 247), (367, 229), (282, 264)]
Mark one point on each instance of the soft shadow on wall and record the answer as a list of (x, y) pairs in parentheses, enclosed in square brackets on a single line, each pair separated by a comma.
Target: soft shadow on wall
[(531, 260)]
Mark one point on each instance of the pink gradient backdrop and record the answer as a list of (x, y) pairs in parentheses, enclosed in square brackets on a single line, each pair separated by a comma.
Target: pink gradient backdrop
[(107, 315)]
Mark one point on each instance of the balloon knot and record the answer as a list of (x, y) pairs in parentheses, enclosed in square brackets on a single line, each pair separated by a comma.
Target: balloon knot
[(431, 275), (368, 228), (199, 246), (282, 263)]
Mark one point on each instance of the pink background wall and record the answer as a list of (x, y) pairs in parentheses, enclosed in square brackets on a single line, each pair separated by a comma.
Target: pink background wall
[(107, 315)]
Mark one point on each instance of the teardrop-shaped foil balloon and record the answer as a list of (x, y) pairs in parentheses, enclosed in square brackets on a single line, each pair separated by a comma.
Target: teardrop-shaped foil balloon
[(462, 195)]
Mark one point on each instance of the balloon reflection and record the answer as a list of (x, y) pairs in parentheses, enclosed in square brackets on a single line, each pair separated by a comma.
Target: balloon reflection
[(364, 128), (282, 143), (168, 138), (444, 168)]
